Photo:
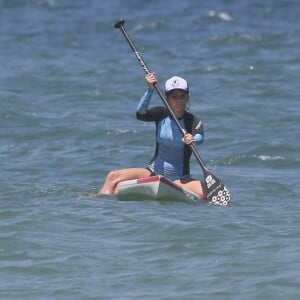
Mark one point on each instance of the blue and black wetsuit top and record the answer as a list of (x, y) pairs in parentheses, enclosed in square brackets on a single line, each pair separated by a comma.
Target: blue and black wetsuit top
[(172, 156)]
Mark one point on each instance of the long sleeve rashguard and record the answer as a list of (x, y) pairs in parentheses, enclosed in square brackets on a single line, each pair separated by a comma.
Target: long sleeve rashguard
[(172, 156)]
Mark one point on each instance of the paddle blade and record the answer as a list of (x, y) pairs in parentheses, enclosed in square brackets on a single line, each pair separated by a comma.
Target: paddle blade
[(215, 190)]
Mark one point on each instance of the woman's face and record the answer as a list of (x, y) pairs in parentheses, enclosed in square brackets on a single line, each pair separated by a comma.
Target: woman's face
[(177, 100)]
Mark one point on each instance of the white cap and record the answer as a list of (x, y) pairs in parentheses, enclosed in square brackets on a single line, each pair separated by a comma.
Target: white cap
[(176, 83)]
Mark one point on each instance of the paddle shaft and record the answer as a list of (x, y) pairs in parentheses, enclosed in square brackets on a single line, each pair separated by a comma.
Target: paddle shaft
[(120, 25)]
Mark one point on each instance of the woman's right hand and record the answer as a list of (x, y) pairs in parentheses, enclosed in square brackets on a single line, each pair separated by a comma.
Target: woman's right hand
[(151, 80)]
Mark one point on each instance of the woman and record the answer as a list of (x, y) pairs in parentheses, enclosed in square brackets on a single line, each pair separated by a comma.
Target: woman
[(172, 153)]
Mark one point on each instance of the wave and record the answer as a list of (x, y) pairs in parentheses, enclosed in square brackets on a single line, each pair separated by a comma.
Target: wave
[(255, 160), (148, 25), (223, 16), (267, 157)]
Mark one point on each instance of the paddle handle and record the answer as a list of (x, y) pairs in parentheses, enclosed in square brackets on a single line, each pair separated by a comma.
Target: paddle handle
[(120, 25)]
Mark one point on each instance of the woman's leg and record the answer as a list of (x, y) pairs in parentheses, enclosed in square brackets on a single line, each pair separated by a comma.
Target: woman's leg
[(192, 185), (116, 176)]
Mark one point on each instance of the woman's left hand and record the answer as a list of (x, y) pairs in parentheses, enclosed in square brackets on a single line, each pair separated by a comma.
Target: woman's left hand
[(188, 139)]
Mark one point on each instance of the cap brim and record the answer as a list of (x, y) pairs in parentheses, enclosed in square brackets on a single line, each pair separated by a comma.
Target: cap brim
[(184, 90)]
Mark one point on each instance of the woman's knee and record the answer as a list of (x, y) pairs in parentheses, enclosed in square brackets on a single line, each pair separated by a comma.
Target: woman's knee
[(113, 175)]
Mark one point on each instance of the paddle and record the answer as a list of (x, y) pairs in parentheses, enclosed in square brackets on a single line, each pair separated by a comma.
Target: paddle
[(215, 190)]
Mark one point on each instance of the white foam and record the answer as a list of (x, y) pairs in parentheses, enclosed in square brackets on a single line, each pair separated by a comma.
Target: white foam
[(267, 157)]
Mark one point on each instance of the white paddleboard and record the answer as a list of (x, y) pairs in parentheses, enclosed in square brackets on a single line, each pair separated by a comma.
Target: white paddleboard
[(154, 188)]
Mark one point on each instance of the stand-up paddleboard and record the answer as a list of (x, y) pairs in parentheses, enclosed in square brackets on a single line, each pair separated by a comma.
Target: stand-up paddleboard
[(154, 188)]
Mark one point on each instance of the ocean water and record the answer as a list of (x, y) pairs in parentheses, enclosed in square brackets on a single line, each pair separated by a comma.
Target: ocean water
[(69, 87)]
